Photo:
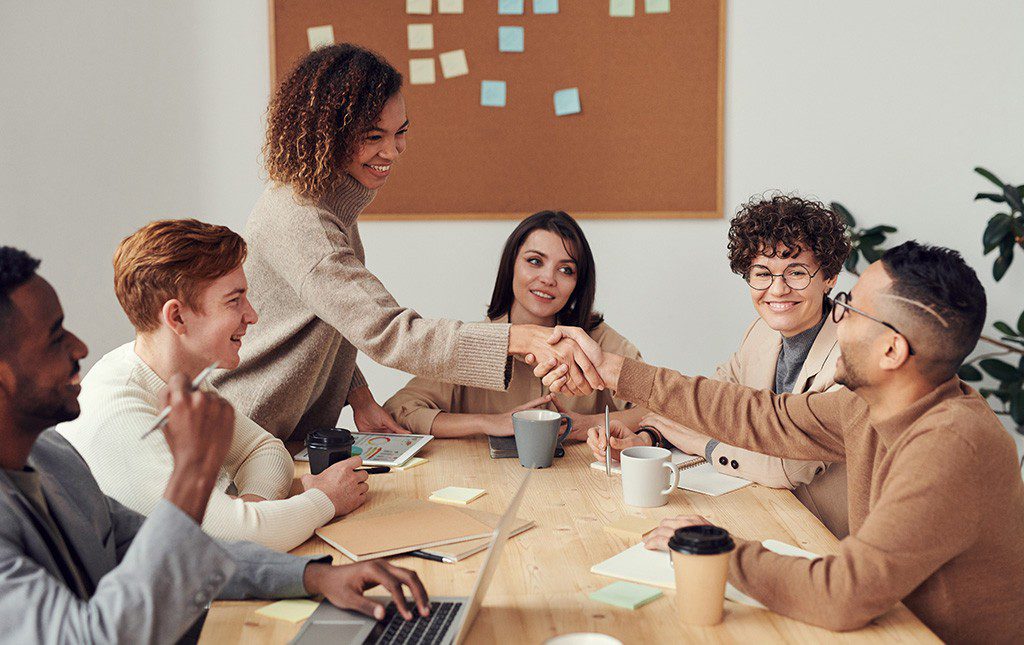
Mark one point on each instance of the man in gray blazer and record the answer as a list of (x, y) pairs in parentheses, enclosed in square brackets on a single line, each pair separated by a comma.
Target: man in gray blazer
[(76, 566)]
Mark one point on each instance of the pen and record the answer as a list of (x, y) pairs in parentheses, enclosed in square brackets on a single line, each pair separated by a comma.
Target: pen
[(430, 556), (374, 470), (161, 420), (607, 444)]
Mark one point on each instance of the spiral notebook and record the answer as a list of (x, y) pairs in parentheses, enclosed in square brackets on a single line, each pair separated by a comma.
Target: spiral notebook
[(695, 474)]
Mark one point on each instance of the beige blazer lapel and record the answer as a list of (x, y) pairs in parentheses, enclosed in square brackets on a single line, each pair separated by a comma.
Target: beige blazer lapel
[(759, 356), (826, 344)]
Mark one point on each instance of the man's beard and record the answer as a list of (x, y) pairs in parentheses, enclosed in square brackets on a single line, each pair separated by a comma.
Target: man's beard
[(847, 375)]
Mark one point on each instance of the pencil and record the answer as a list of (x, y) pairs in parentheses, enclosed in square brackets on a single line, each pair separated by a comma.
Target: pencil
[(161, 420)]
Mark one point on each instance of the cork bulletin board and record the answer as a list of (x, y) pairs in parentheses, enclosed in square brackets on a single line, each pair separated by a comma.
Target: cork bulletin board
[(646, 143)]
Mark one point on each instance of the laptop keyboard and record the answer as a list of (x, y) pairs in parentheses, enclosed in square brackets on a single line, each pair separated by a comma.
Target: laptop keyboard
[(433, 628)]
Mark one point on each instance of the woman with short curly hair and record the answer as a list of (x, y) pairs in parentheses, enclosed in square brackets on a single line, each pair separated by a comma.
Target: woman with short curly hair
[(335, 128), (789, 250)]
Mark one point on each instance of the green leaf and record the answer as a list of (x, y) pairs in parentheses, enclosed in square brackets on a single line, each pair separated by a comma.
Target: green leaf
[(990, 196), (1020, 323), (1012, 339), (839, 208), (998, 228), (989, 176), (871, 254), (1000, 370), (1017, 406), (1002, 263), (970, 373), (1013, 197), (883, 228), (851, 261), (874, 239), (1004, 328)]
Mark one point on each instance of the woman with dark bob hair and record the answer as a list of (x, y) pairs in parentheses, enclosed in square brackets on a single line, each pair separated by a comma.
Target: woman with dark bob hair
[(335, 129), (789, 251), (546, 277)]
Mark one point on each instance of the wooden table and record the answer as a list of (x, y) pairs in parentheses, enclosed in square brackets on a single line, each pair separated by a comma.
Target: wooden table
[(542, 585)]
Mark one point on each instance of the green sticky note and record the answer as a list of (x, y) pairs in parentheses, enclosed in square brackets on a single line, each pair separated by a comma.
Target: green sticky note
[(626, 595), (622, 8), (657, 6)]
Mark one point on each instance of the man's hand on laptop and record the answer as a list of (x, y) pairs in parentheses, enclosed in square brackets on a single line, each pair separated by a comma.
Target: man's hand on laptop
[(344, 585)]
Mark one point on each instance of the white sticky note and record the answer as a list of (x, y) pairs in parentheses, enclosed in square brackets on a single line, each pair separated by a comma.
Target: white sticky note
[(418, 7), (492, 93), (454, 63), (320, 36), (622, 8), (449, 6), (510, 7), (421, 37), (511, 39), (657, 6), (421, 71), (456, 495), (567, 101), (542, 7)]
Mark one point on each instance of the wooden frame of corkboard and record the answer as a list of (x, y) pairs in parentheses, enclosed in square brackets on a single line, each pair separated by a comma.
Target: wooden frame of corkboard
[(648, 144)]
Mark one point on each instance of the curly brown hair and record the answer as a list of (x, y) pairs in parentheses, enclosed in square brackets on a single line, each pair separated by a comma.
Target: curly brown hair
[(765, 224), (320, 111)]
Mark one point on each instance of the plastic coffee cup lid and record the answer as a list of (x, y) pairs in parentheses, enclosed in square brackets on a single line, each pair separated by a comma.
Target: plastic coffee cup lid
[(329, 438), (701, 540)]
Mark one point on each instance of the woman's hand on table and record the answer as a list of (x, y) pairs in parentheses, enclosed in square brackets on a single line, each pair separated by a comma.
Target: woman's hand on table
[(621, 438), (344, 585), (657, 540), (369, 416), (687, 440), (345, 486)]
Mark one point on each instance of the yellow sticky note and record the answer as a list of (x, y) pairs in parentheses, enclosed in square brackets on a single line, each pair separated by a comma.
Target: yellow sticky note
[(421, 71), (454, 63), (418, 7), (421, 37), (631, 528), (456, 495), (412, 463), (450, 6), (293, 611), (320, 36)]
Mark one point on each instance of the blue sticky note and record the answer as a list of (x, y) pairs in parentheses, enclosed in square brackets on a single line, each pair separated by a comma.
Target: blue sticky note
[(510, 7), (511, 39), (541, 7), (567, 101), (492, 93)]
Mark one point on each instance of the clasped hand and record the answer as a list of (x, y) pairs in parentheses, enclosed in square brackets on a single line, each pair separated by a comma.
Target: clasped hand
[(567, 359)]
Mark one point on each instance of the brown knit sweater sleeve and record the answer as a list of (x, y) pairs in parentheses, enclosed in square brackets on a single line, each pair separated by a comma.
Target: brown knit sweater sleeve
[(805, 426), (926, 514)]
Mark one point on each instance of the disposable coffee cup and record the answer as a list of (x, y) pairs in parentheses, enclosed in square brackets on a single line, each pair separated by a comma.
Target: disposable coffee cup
[(328, 446), (700, 559)]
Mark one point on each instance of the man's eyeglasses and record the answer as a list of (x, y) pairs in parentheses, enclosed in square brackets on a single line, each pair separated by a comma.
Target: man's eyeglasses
[(841, 303), (796, 276)]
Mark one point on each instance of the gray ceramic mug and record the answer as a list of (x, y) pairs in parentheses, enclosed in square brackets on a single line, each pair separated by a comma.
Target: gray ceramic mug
[(537, 436)]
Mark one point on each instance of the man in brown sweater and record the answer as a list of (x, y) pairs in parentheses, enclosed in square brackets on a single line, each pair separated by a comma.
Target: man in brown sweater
[(936, 499)]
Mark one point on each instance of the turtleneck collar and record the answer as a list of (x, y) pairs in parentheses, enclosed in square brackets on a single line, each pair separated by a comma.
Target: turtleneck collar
[(347, 200)]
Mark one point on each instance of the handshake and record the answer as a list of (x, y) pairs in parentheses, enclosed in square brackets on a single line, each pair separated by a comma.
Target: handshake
[(566, 359)]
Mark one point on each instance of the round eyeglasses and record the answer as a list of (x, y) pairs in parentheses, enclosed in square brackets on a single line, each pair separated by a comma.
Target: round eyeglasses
[(796, 276), (841, 304)]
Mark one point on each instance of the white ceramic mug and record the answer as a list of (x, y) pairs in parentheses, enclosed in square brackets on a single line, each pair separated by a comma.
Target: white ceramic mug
[(644, 471)]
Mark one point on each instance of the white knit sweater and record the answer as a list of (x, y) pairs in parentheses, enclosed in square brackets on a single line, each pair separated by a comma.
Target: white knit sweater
[(120, 402)]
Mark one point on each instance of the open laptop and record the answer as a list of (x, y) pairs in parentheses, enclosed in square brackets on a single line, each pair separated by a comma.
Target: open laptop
[(450, 618)]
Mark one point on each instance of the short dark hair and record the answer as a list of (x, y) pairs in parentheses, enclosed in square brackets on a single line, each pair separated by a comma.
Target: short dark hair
[(941, 280), (579, 309), (767, 222), (16, 268)]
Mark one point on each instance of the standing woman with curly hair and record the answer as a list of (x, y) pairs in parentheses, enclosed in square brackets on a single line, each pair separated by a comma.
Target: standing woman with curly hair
[(335, 129), (789, 251)]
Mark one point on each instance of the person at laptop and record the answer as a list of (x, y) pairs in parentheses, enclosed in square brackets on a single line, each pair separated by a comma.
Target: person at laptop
[(77, 566), (789, 251), (182, 285), (336, 127), (936, 498), (546, 277)]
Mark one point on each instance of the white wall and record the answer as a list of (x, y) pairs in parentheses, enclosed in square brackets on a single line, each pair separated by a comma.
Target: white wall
[(115, 113)]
